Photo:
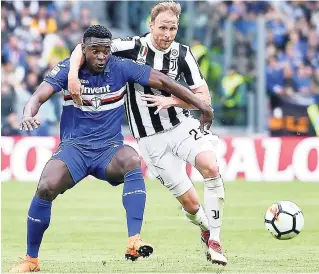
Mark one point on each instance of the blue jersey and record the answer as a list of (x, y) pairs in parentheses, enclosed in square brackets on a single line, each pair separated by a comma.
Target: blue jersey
[(97, 123)]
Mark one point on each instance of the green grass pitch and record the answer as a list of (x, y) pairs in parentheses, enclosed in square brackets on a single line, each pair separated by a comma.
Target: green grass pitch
[(88, 230)]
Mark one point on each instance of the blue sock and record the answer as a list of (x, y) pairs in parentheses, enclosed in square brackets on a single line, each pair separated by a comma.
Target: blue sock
[(39, 216), (134, 196)]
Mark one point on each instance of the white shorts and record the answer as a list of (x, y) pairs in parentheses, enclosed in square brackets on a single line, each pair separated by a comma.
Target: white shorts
[(166, 154)]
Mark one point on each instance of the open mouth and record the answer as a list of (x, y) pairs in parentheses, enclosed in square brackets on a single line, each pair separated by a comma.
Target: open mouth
[(100, 66)]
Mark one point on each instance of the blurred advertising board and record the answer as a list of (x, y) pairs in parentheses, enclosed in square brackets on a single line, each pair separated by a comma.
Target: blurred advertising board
[(296, 120), (253, 159)]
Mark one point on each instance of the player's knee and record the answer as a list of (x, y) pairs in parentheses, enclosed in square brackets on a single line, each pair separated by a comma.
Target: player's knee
[(210, 170), (132, 162), (47, 190)]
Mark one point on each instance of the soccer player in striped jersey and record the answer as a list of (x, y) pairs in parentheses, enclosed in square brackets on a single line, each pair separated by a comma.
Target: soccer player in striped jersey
[(91, 138), (167, 136)]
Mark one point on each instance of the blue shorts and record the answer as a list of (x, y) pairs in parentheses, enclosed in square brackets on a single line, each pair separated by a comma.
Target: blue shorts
[(82, 162)]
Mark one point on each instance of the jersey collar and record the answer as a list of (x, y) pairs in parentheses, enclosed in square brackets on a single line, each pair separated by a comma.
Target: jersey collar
[(150, 44)]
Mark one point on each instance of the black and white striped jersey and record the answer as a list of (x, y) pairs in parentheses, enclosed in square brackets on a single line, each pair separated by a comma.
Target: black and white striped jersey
[(177, 62)]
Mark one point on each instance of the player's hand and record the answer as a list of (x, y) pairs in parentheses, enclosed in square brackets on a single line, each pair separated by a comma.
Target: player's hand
[(74, 87), (29, 123), (206, 118), (161, 102)]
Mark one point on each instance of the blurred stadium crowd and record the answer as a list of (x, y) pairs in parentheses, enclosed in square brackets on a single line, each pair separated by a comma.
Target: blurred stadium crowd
[(35, 35)]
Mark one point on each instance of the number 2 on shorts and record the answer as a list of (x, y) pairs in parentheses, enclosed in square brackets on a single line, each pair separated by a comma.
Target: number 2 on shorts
[(197, 134)]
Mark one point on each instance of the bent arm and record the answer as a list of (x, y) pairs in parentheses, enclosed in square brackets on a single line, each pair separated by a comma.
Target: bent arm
[(76, 61), (159, 80), (39, 97)]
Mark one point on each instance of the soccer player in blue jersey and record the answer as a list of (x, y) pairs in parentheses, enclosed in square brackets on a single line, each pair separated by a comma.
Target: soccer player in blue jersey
[(91, 138)]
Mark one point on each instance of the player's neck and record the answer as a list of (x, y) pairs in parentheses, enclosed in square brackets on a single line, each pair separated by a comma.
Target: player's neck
[(88, 69), (155, 44)]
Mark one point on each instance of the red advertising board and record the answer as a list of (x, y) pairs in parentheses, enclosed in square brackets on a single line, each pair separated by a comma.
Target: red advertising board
[(253, 159)]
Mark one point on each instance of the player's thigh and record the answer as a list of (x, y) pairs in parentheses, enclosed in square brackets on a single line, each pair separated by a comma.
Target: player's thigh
[(55, 178), (194, 142), (76, 161), (115, 162), (167, 168)]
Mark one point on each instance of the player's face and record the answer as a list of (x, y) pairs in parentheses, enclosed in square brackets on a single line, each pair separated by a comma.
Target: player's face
[(96, 55), (164, 29)]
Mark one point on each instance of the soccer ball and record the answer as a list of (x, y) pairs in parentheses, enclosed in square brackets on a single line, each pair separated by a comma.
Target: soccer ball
[(284, 220)]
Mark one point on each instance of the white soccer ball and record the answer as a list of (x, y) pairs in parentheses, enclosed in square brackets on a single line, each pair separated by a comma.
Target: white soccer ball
[(284, 220)]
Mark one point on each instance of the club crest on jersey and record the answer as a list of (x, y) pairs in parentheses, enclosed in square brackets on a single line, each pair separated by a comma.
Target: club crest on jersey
[(96, 102), (173, 64), (174, 52)]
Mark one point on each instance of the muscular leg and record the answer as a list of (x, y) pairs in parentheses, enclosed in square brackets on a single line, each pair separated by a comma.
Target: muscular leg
[(193, 209), (126, 166), (190, 201), (55, 178), (125, 160)]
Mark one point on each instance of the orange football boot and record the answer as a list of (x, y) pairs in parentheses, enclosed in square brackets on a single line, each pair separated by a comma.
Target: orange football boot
[(27, 264), (137, 248)]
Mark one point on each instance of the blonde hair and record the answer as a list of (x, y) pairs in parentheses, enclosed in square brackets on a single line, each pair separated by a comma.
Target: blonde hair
[(166, 6)]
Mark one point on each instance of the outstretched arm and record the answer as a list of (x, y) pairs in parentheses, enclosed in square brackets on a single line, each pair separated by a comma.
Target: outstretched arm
[(162, 102), (40, 96), (194, 79), (201, 93), (159, 80)]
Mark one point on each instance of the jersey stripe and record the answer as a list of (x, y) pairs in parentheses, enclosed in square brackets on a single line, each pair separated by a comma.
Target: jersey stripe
[(103, 101), (172, 114), (91, 108), (156, 121), (184, 66), (135, 111)]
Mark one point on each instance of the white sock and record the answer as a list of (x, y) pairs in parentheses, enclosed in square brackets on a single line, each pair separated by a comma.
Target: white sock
[(199, 218), (214, 194)]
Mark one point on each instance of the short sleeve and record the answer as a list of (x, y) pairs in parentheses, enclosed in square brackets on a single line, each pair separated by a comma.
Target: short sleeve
[(58, 76), (191, 70), (135, 73)]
